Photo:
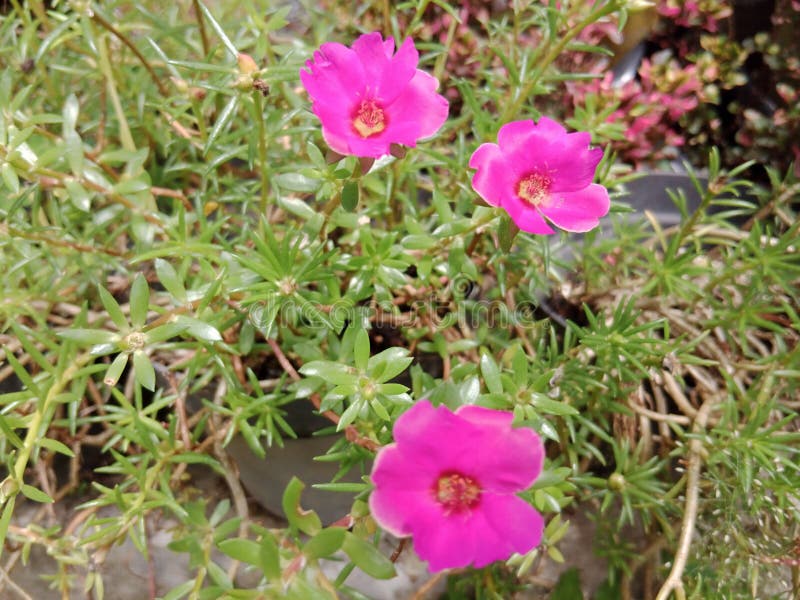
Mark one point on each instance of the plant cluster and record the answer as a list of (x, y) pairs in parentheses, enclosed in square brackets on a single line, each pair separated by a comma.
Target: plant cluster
[(193, 245)]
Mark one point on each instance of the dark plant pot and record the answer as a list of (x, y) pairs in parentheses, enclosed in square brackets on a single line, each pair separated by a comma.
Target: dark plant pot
[(267, 478)]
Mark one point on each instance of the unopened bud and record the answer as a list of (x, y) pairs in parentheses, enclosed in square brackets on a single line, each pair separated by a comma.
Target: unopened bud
[(247, 66)]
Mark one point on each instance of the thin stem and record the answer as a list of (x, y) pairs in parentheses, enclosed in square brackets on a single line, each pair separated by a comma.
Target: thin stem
[(126, 139), (673, 582), (202, 26), (262, 152), (124, 39), (33, 435)]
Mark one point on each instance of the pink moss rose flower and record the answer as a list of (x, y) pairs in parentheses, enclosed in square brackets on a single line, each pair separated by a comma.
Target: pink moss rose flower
[(450, 481), (369, 98), (538, 171)]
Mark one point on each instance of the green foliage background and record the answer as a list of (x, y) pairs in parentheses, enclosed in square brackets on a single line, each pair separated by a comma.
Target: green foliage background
[(181, 261)]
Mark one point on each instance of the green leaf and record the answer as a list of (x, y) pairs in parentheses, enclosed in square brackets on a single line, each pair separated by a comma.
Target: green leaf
[(222, 122), (143, 368), (199, 329), (246, 551), (35, 494), (74, 152), (367, 557), (269, 557), (361, 349), (325, 543), (115, 369), (553, 407), (491, 374), (418, 242), (10, 178), (295, 182), (170, 280), (306, 521), (56, 446), (332, 372), (139, 301), (350, 196), (5, 520), (179, 592), (127, 187), (507, 231), (113, 309), (568, 586), (78, 194), (89, 337), (219, 30)]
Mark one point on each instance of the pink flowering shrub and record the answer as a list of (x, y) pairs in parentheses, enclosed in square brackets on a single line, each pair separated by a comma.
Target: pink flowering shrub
[(537, 172), (368, 98), (649, 108), (695, 13), (450, 481)]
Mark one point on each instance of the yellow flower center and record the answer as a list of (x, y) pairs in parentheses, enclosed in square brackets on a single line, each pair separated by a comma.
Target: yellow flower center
[(369, 119), (457, 492), (534, 189)]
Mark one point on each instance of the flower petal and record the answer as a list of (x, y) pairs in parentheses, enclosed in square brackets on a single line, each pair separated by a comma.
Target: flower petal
[(335, 72), (514, 523), (417, 105), (448, 541), (401, 70), (578, 211), (400, 513), (526, 216), (494, 179), (505, 458), (397, 469), (546, 148), (420, 431)]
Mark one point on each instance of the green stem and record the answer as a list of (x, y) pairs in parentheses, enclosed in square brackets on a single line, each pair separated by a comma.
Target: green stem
[(124, 39), (202, 26), (553, 53), (34, 434), (262, 152)]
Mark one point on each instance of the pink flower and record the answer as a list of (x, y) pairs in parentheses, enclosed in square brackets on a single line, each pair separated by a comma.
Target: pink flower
[(538, 171), (450, 481), (368, 99)]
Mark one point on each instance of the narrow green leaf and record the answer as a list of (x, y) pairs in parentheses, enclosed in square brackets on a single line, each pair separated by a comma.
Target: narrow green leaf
[(361, 349), (89, 337), (325, 543), (170, 280), (269, 558), (491, 373), (113, 309), (139, 301), (199, 329), (56, 446), (115, 369), (35, 494), (5, 520), (143, 368), (219, 30), (222, 122), (568, 586), (367, 557), (305, 520), (10, 178), (246, 551), (350, 196)]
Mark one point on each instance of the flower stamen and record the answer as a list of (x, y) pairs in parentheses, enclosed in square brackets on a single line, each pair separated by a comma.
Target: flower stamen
[(369, 119), (457, 492), (534, 189)]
